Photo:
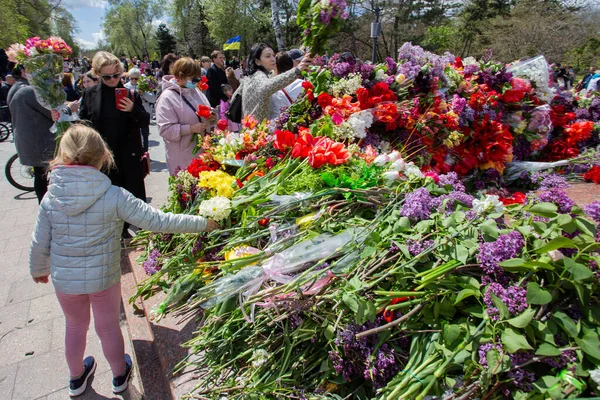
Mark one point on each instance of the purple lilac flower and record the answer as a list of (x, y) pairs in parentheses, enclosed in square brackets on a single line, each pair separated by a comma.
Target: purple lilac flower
[(594, 267), (467, 116), (522, 379), (393, 249), (514, 297), (366, 70), (391, 65), (452, 179), (561, 361), (547, 180), (151, 265), (484, 349), (491, 177), (507, 246), (471, 69), (417, 205), (198, 247), (458, 104), (521, 149), (416, 247), (341, 69), (583, 113), (494, 80), (592, 210), (558, 197), (409, 69)]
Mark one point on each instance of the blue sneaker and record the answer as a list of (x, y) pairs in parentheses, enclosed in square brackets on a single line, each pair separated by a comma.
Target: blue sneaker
[(78, 386), (119, 384)]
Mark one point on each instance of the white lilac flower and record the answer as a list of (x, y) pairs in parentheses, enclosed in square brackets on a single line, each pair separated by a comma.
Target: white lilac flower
[(489, 203), (259, 357), (360, 122), (381, 160), (412, 171), (385, 146), (218, 208), (347, 86), (595, 375), (391, 176), (380, 75), (187, 180), (398, 165)]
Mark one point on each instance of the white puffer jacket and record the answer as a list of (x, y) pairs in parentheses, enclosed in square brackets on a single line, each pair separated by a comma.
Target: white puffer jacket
[(77, 235)]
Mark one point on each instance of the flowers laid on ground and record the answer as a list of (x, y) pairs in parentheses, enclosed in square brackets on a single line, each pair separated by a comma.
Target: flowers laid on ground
[(387, 261)]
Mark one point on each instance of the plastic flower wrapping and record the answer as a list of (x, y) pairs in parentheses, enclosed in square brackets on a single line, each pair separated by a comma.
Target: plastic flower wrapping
[(43, 62), (371, 249)]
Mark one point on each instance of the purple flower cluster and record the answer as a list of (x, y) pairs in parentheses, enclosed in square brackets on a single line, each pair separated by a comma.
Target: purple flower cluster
[(417, 57), (507, 246), (491, 177), (592, 210), (558, 197), (151, 265), (521, 149), (360, 360), (452, 179), (494, 80), (417, 205), (341, 69), (451, 199), (458, 104), (198, 247), (467, 116), (371, 139), (561, 361), (416, 247), (522, 379), (391, 65), (483, 350), (366, 70), (548, 180), (471, 69), (514, 297), (337, 8)]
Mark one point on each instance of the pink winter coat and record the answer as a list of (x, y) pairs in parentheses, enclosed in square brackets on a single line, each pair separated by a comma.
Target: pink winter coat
[(174, 117)]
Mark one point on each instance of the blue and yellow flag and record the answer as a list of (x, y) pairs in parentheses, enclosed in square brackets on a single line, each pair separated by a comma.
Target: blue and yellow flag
[(233, 43)]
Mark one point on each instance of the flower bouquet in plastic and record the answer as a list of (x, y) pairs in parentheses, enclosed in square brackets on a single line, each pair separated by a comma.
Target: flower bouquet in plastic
[(320, 19), (43, 62)]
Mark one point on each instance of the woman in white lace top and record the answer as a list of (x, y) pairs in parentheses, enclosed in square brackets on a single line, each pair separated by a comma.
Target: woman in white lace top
[(257, 88)]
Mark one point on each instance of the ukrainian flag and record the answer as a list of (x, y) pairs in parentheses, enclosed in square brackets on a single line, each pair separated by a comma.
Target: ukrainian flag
[(233, 43)]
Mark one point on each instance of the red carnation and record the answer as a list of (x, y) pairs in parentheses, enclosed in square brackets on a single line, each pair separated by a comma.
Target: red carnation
[(593, 175), (324, 100)]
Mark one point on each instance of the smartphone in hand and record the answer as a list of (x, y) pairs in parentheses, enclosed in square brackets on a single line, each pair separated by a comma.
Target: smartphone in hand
[(120, 94)]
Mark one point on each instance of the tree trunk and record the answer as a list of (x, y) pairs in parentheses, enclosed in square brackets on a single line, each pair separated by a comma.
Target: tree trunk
[(277, 25), (395, 45)]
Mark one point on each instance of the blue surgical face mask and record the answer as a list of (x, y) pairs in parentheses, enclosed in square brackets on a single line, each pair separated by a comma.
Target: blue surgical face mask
[(190, 85)]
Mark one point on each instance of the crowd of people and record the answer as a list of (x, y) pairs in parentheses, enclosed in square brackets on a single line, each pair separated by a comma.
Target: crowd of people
[(117, 114)]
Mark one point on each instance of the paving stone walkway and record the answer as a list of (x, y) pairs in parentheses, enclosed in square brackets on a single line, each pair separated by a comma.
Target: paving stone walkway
[(32, 364)]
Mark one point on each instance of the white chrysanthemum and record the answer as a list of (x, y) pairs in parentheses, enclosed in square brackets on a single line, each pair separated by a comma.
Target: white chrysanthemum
[(489, 203), (218, 208), (259, 357)]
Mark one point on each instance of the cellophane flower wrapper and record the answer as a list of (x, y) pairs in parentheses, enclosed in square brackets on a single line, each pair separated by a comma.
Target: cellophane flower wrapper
[(278, 267), (45, 73), (536, 70)]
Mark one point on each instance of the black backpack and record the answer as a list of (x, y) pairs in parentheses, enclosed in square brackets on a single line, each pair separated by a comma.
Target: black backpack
[(234, 113)]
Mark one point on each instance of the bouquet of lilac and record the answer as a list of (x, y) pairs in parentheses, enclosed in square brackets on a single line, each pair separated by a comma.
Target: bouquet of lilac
[(320, 19)]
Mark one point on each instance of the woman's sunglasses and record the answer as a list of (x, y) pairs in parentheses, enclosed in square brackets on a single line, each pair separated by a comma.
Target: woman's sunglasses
[(109, 77)]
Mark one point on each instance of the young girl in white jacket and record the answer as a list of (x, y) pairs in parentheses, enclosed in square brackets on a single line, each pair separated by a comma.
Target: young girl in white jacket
[(77, 243)]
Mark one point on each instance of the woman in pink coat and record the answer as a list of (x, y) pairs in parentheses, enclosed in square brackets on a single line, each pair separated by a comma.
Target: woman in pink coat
[(176, 114)]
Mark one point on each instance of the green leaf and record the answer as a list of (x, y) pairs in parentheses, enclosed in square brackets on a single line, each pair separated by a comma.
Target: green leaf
[(566, 323), (368, 252), (451, 333), (521, 321), (537, 295), (489, 228), (514, 265), (559, 242), (356, 283), (579, 272), (514, 341), (402, 225), (463, 294), (462, 253), (329, 332), (547, 210), (545, 383), (585, 226), (546, 349), (351, 301), (502, 308), (564, 219), (590, 344), (497, 365)]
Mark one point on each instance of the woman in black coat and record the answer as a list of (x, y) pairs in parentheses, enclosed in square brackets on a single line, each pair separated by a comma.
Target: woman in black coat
[(119, 125)]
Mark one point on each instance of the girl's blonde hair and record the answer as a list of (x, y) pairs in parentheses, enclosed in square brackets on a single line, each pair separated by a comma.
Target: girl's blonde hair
[(105, 59), (83, 145)]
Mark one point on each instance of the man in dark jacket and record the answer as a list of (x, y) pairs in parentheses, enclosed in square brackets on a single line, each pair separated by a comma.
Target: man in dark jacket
[(216, 77), (31, 126)]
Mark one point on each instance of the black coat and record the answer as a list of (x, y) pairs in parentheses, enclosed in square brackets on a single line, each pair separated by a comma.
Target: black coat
[(128, 173), (216, 77)]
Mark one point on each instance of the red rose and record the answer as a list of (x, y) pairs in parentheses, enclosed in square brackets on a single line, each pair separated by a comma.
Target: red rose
[(203, 111), (324, 100), (593, 175), (284, 140), (222, 124)]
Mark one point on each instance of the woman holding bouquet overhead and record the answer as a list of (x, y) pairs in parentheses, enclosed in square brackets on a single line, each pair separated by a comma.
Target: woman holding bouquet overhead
[(176, 113), (119, 123), (257, 88)]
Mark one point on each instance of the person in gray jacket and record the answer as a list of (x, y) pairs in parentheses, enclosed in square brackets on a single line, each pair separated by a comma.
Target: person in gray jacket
[(31, 125), (76, 242)]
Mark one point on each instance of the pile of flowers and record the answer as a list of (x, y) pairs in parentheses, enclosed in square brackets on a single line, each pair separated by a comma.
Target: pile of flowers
[(369, 248)]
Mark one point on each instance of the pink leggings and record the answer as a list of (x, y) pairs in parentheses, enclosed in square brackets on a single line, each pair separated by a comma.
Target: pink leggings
[(107, 310)]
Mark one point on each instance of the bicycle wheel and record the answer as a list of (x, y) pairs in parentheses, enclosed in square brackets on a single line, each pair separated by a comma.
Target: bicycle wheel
[(19, 175), (5, 130)]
